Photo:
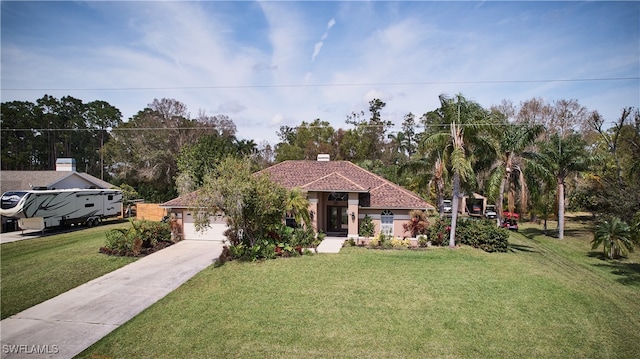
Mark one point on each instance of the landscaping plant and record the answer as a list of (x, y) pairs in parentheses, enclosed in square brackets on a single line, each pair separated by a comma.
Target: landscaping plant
[(142, 238)]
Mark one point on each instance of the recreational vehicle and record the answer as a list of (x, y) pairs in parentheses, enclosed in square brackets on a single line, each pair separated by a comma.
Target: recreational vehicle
[(40, 209)]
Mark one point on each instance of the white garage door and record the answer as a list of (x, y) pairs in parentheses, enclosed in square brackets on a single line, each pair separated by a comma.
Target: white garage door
[(215, 231)]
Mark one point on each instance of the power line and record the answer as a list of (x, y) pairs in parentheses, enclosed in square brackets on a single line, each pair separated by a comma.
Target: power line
[(217, 129), (327, 85)]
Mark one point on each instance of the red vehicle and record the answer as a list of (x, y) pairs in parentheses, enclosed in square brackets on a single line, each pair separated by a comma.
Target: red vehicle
[(510, 221)]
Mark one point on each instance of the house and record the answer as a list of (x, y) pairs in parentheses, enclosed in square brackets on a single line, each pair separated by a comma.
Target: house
[(340, 193), (65, 176)]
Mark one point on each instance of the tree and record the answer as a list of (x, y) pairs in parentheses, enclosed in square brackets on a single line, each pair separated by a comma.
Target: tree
[(200, 159), (145, 150), (615, 236), (429, 180), (306, 141), (513, 142), (371, 133), (35, 135), (254, 205), (561, 157), (455, 129), (101, 117), (297, 205), (613, 187)]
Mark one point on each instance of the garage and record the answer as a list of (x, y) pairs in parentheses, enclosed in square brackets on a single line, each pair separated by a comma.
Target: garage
[(215, 231)]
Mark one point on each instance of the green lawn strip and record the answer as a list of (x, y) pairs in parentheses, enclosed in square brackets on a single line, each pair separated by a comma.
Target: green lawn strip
[(38, 269), (381, 304)]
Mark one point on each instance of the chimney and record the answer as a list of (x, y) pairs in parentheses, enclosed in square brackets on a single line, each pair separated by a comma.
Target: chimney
[(323, 157), (66, 164)]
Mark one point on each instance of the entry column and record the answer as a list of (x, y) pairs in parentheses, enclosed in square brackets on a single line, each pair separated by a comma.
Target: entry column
[(352, 210)]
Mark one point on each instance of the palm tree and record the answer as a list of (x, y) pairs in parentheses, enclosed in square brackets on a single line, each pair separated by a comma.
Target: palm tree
[(298, 206), (429, 175), (514, 139), (561, 157), (454, 130), (614, 235)]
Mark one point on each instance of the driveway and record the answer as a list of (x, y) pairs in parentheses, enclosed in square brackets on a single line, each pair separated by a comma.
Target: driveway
[(64, 326)]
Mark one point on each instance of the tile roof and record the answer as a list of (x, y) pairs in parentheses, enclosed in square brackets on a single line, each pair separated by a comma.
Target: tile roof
[(181, 202), (344, 176)]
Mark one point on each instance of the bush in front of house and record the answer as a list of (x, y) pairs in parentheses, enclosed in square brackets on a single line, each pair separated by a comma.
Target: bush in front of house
[(142, 238), (483, 234), (438, 233), (418, 223), (367, 228)]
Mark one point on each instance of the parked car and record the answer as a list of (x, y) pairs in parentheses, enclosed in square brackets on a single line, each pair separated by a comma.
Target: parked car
[(446, 206), (490, 212), (510, 224)]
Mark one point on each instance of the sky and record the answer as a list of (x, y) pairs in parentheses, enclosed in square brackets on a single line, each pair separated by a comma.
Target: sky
[(269, 64)]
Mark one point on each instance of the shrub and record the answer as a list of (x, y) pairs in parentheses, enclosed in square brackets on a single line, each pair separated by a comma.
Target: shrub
[(423, 241), (143, 237), (374, 242), (384, 240), (439, 232), (400, 243), (367, 228), (118, 242), (418, 223), (482, 234)]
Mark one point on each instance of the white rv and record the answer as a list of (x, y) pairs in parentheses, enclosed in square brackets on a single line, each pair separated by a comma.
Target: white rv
[(40, 209)]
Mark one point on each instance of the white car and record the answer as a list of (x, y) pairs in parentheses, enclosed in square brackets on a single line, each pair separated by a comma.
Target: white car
[(446, 206), (490, 212)]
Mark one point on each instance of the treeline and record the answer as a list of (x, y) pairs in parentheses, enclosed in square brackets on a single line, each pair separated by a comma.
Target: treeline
[(526, 157), (147, 153)]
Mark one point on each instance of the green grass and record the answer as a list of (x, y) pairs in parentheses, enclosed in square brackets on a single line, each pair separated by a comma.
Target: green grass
[(544, 298), (38, 269)]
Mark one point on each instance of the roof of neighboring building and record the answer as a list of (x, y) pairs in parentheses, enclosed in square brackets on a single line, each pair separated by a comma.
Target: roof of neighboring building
[(25, 180), (344, 176)]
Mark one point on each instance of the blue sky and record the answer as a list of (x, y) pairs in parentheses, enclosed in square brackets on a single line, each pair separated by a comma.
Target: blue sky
[(274, 63)]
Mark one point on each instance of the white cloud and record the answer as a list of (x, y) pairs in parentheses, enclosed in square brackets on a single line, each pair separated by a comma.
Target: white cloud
[(201, 55), (319, 44)]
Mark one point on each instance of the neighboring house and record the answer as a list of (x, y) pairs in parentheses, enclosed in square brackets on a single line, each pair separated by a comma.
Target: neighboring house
[(340, 193), (64, 177)]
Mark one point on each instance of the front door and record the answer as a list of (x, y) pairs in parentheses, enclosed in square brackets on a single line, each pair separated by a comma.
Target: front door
[(338, 219)]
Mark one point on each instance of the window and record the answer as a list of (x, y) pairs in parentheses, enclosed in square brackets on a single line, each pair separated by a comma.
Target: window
[(338, 196), (386, 222)]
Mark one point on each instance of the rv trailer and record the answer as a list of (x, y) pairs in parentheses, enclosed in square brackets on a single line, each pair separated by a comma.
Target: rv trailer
[(41, 209)]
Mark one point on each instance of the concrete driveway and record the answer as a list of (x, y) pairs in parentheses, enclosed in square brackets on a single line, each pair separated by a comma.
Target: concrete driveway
[(64, 326), (19, 236)]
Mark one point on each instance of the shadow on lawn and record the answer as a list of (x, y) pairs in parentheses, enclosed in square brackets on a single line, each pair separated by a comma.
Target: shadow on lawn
[(629, 272), (522, 248)]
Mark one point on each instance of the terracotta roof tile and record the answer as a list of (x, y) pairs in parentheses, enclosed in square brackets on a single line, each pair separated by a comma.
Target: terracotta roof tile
[(344, 176)]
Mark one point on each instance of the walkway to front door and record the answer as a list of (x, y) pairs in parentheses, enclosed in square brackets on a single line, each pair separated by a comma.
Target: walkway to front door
[(331, 245)]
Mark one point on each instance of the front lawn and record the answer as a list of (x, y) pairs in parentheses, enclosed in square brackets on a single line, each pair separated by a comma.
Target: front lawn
[(38, 269), (543, 298)]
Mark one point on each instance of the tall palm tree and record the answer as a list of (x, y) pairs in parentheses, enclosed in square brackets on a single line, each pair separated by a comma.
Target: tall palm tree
[(431, 174), (513, 142), (455, 130), (561, 157), (614, 235)]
